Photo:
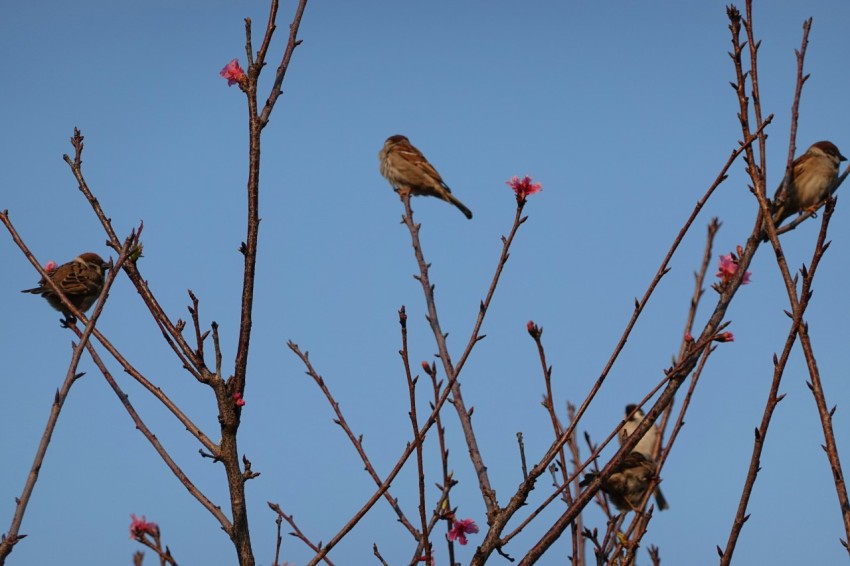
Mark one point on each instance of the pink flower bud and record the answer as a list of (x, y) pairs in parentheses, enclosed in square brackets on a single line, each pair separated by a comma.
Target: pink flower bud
[(234, 73), (523, 187), (724, 337)]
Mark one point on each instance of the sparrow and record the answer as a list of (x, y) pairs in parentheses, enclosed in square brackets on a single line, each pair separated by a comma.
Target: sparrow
[(627, 485), (81, 280), (813, 175), (645, 446), (408, 171)]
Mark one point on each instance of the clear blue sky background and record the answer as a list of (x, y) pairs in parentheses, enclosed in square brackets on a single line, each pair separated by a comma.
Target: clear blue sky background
[(621, 109)]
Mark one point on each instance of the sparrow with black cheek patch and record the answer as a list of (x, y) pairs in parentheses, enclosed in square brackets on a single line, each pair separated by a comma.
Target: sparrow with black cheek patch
[(81, 280), (407, 170), (628, 483), (813, 175), (645, 446)]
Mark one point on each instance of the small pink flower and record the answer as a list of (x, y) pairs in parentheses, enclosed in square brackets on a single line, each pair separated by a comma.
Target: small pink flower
[(139, 527), (50, 266), (237, 398), (523, 187), (460, 528), (724, 337), (233, 73), (727, 269)]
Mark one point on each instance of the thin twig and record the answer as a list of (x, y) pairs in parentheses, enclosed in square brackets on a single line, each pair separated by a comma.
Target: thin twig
[(464, 415), (290, 519), (423, 539), (13, 536), (356, 441)]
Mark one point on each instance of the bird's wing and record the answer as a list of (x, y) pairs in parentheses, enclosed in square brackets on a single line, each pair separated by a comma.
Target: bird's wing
[(76, 280), (414, 158)]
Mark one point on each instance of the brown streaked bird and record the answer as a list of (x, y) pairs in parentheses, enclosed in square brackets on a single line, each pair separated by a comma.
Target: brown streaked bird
[(81, 280), (627, 485), (407, 170), (645, 446), (813, 176)]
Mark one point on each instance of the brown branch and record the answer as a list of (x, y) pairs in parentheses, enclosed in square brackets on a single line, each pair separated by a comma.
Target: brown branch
[(423, 539), (228, 412), (13, 536), (156, 545), (132, 371), (170, 332), (774, 398), (687, 339), (536, 334), (448, 480), (158, 447), (291, 44), (578, 525), (680, 370), (356, 441), (441, 399), (675, 377), (290, 519), (279, 541), (638, 527), (464, 415), (377, 554), (816, 386), (595, 451)]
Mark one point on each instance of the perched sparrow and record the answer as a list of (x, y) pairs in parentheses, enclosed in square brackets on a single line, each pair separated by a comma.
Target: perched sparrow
[(628, 483), (645, 446), (814, 174), (81, 280), (407, 170)]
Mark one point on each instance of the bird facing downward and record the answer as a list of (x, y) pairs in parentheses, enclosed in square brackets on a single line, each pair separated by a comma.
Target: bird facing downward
[(408, 171), (813, 175), (645, 446), (627, 484), (81, 280)]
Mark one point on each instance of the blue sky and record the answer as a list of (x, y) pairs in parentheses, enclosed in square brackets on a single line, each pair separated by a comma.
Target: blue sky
[(623, 111)]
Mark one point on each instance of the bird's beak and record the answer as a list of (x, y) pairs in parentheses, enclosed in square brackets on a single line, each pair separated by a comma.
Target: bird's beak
[(841, 157)]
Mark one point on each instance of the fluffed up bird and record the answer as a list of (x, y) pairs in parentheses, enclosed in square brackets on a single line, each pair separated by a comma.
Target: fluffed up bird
[(813, 175), (407, 170), (645, 446), (81, 280), (627, 484)]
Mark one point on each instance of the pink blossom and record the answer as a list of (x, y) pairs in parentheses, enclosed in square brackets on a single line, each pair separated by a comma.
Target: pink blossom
[(724, 337), (460, 528), (727, 269), (237, 398), (233, 73), (523, 187), (139, 527), (50, 266)]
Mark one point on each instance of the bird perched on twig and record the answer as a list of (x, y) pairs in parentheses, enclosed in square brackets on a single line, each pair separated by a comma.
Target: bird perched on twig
[(812, 176), (645, 446), (627, 484), (408, 171), (81, 280)]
